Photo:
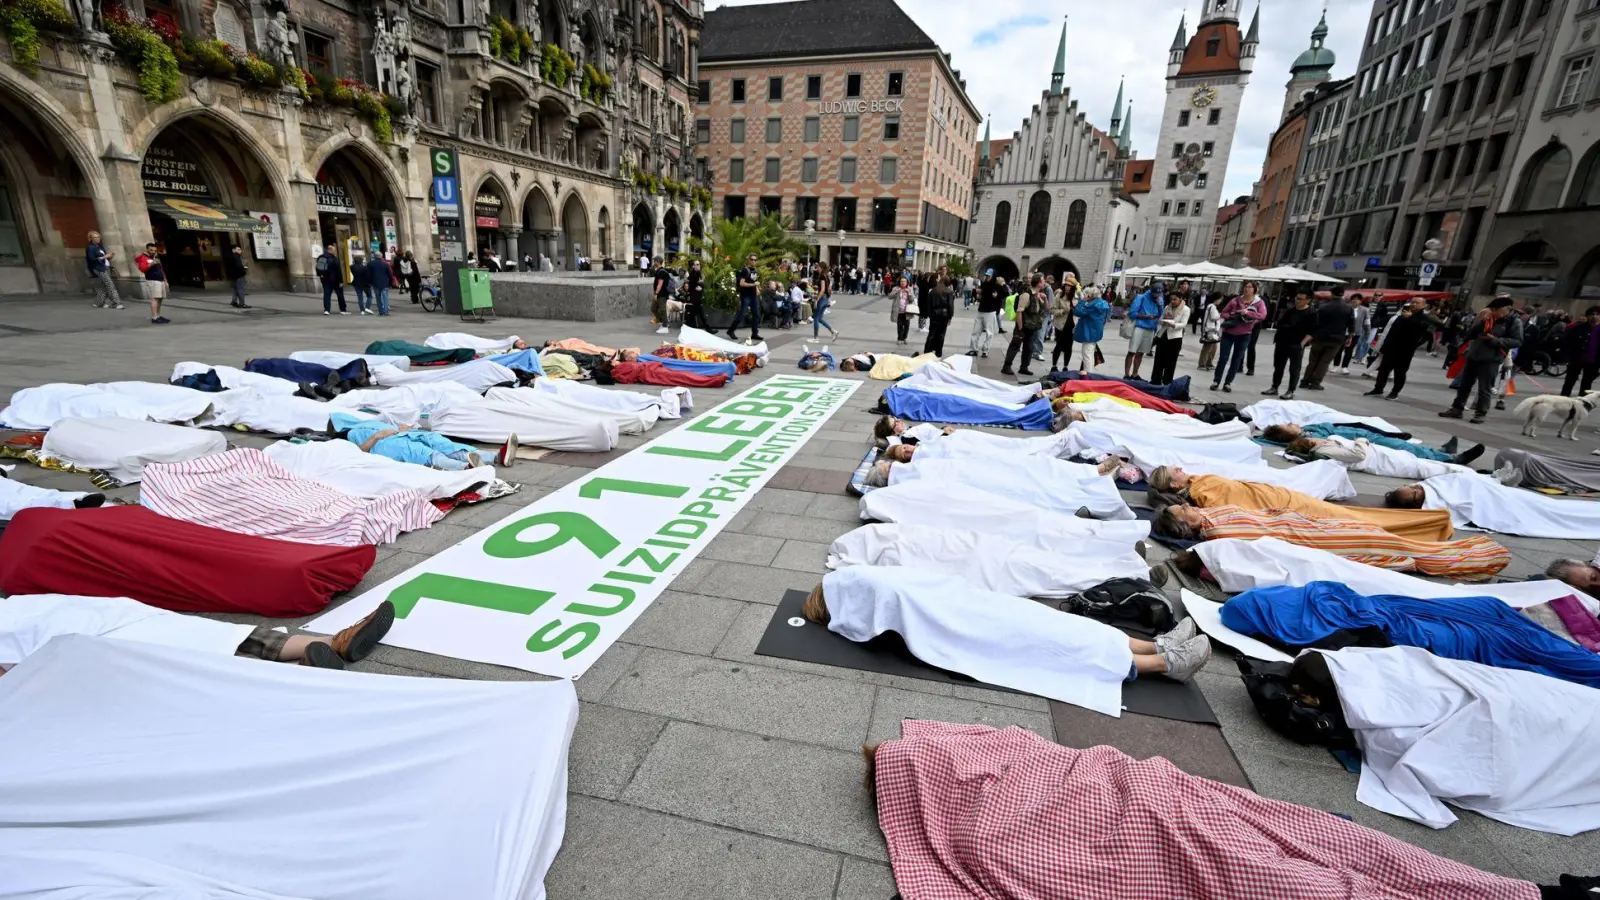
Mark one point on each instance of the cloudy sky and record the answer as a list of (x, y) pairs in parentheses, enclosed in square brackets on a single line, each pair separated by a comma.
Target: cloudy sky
[(1005, 50)]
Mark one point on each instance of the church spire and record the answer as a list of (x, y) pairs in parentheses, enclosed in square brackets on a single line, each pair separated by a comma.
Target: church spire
[(1126, 140), (1116, 109), (1181, 40), (983, 152), (1253, 36), (1059, 73)]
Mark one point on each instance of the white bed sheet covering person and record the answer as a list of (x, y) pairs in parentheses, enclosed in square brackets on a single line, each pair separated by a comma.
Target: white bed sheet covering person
[(302, 783), (1482, 502), (1515, 746), (1361, 455), (929, 502), (993, 563), (536, 419), (16, 496), (1151, 422), (995, 638), (40, 408), (669, 404), (454, 340), (969, 385), (404, 405), (628, 421), (704, 340), (1146, 447), (29, 621), (1266, 413), (342, 466), (964, 440), (1241, 565), (1050, 484), (275, 413), (477, 376), (335, 359), (123, 447), (232, 378)]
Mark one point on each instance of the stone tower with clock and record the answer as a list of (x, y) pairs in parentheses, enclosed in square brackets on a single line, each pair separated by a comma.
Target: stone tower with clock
[(1206, 79)]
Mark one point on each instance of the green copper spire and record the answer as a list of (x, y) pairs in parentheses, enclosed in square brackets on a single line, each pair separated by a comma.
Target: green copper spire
[(1059, 73), (983, 153), (1116, 109), (1181, 40), (1126, 140)]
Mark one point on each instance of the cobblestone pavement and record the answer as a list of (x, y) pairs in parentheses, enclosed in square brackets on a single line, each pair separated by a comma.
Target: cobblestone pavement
[(700, 769)]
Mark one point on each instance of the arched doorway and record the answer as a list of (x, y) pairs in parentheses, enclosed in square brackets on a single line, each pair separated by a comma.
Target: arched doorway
[(1586, 184), (1055, 266), (1586, 286), (574, 231), (697, 227), (1000, 265), (672, 232), (206, 193), (357, 206), (488, 208), (644, 231), (1038, 219), (539, 232), (602, 243), (47, 178), (1527, 271)]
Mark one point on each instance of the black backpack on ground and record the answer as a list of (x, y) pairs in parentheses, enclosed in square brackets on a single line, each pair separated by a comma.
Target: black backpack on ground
[(1218, 413), (1298, 700), (1131, 603)]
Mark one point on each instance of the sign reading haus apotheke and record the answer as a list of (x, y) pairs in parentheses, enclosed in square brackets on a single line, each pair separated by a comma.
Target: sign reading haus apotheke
[(856, 107)]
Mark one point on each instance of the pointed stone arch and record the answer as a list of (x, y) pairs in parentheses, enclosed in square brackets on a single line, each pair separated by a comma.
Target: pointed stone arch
[(574, 230)]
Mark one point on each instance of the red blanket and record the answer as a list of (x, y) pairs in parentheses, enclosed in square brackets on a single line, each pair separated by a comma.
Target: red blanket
[(129, 551), (971, 813), (656, 373), (1118, 389)]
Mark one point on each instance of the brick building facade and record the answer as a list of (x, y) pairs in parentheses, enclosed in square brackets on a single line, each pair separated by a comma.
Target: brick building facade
[(844, 114)]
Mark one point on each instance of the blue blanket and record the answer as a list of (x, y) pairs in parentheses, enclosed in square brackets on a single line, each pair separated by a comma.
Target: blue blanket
[(521, 360), (1476, 629), (304, 372), (927, 406), (692, 365), (1177, 391)]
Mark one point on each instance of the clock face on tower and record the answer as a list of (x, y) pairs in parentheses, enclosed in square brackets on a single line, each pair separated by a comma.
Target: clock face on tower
[(1203, 96)]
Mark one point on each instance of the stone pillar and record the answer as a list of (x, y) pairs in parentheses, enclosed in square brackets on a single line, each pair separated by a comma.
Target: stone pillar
[(298, 212), (513, 254)]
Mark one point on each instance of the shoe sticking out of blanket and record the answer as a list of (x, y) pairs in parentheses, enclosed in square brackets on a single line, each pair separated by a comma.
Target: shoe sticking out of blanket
[(508, 453), (354, 643), (1466, 457), (321, 656), (1177, 637), (90, 501), (1451, 446), (1185, 659)]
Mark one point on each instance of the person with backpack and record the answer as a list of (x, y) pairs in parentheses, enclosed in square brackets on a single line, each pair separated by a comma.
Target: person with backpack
[(361, 280), (380, 276), (330, 271), (233, 265), (97, 263), (1031, 309), (156, 287)]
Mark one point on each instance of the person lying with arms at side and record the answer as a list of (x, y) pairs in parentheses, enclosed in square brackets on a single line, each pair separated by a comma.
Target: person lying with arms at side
[(1206, 491), (1284, 434), (404, 444)]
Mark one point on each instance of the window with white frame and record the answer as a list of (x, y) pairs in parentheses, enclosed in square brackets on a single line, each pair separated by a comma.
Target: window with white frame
[(1574, 80)]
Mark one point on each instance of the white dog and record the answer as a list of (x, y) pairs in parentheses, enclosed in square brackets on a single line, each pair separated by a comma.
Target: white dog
[(1573, 410)]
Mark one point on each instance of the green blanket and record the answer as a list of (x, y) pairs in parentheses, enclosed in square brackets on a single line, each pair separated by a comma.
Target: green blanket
[(418, 354)]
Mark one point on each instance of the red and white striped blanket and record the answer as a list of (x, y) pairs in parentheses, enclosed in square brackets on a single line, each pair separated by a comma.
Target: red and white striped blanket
[(971, 813), (245, 492)]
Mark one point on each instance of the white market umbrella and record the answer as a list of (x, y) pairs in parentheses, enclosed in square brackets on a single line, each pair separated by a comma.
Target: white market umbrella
[(1295, 273)]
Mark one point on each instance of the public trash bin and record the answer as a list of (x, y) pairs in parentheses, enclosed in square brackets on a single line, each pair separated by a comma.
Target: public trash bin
[(477, 300)]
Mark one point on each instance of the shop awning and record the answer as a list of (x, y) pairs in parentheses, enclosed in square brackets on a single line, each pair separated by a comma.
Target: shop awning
[(192, 214)]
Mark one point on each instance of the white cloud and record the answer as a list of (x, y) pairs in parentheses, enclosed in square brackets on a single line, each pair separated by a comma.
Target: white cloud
[(1005, 50)]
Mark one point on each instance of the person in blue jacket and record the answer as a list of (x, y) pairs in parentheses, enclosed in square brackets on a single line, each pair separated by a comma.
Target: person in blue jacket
[(1092, 312), (1146, 315)]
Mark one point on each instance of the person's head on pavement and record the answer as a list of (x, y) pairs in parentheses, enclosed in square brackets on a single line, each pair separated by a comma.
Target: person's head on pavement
[(1282, 434), (900, 453), (1581, 575), (1409, 497)]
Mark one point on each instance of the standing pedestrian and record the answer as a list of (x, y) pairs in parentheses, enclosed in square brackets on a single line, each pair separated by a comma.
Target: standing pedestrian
[(902, 306), (1357, 348), (1399, 342), (1146, 316), (1488, 342), (1030, 318), (1089, 329), (1239, 320), (1295, 325), (940, 308), (330, 271), (991, 299), (749, 283), (644, 265), (660, 291), (1061, 321), (411, 276), (1336, 321), (233, 265), (1210, 334), (819, 309), (97, 262), (361, 280), (1255, 336), (1581, 345), (694, 312), (380, 276), (1169, 339), (156, 287)]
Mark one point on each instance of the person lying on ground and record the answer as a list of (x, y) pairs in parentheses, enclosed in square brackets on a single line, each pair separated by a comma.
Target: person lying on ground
[(1043, 482), (1362, 455), (892, 430), (1468, 559), (1174, 485), (858, 362), (1106, 464), (1531, 469), (16, 496), (1585, 576), (1478, 500), (1284, 434), (27, 622), (404, 444), (1000, 639)]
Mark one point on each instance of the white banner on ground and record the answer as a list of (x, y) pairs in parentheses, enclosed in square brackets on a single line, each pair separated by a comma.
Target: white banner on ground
[(550, 587)]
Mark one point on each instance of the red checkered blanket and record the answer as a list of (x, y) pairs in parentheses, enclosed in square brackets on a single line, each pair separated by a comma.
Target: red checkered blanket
[(971, 812)]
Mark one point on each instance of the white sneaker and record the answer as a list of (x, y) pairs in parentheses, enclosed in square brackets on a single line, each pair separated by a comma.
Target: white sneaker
[(661, 330), (366, 312), (1185, 659), (325, 312), (1182, 634), (344, 312)]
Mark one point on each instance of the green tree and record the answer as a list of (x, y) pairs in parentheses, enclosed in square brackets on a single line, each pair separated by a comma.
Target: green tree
[(959, 266), (722, 253)]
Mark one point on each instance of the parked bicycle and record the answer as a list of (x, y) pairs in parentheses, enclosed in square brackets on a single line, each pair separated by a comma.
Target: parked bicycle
[(432, 298)]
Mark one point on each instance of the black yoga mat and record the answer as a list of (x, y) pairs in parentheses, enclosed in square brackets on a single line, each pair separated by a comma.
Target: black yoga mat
[(887, 654)]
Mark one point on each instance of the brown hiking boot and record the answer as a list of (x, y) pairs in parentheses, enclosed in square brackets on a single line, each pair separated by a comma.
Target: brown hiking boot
[(355, 642)]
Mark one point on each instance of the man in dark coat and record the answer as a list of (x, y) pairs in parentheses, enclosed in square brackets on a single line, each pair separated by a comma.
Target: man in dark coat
[(1495, 334), (1405, 333)]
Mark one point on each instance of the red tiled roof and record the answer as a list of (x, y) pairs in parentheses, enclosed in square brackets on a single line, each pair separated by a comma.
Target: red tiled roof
[(1195, 60)]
